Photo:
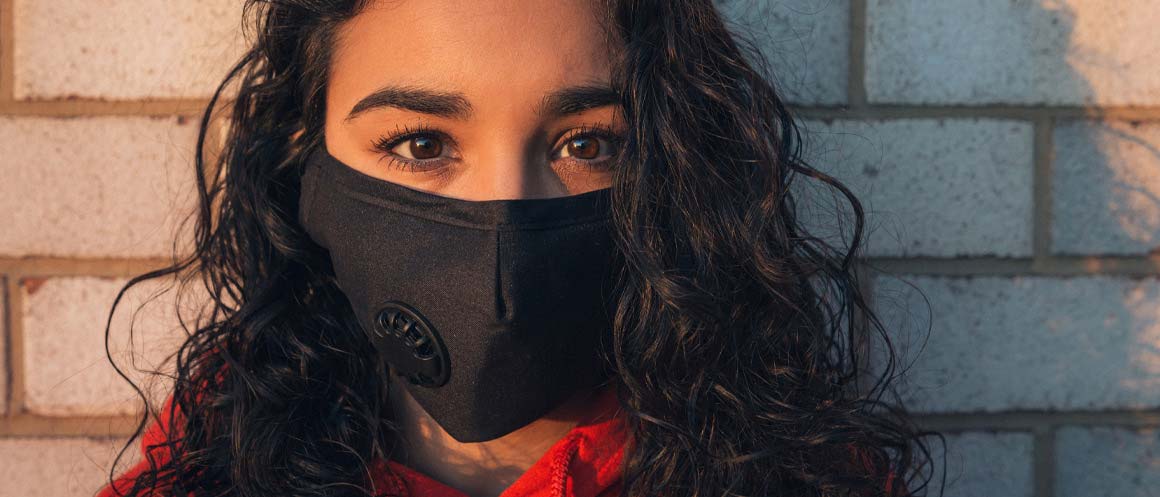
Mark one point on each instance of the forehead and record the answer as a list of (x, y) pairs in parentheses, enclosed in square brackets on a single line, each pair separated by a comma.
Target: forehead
[(486, 48)]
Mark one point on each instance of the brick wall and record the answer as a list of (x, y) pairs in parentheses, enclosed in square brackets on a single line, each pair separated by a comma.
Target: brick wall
[(99, 102), (1008, 154)]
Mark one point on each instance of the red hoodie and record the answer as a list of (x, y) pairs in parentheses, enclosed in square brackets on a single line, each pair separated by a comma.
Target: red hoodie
[(585, 462)]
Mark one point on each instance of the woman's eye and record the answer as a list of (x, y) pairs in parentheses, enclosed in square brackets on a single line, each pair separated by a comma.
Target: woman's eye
[(419, 148), (423, 150), (589, 147)]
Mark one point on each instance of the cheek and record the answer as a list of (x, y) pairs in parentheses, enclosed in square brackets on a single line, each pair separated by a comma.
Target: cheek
[(579, 181)]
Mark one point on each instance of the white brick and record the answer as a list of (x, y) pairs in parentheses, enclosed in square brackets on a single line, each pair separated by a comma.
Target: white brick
[(1013, 343), (983, 463), (1106, 188), (929, 187), (123, 49), (94, 187), (1066, 52), (1094, 461), (59, 467), (66, 370), (806, 43)]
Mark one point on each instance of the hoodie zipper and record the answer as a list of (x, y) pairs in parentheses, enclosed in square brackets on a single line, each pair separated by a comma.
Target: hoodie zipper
[(561, 464)]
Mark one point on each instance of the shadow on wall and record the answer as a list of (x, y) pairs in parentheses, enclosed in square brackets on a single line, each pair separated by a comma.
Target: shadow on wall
[(1110, 175), (939, 189)]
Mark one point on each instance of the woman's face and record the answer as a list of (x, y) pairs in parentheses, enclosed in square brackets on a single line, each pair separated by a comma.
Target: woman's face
[(478, 100)]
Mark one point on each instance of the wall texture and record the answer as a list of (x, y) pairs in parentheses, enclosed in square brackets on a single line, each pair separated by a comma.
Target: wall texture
[(1008, 154)]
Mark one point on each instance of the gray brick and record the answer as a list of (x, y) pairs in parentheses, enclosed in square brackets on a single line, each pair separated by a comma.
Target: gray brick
[(1095, 461), (123, 49), (94, 187), (1014, 343), (59, 467), (930, 187), (1079, 52), (66, 370), (1106, 188), (983, 463), (806, 43)]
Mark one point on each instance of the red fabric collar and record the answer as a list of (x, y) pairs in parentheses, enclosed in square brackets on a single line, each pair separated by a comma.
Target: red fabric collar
[(585, 462)]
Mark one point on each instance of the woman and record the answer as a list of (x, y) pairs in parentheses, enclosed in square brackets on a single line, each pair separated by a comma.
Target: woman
[(522, 247)]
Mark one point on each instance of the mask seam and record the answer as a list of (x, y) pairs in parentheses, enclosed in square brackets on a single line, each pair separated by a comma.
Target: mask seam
[(501, 307)]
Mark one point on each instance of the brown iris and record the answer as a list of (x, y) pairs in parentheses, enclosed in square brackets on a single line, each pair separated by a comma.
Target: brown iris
[(588, 148), (425, 147)]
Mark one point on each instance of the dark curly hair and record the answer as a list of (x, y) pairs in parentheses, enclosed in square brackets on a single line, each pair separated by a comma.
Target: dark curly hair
[(735, 342)]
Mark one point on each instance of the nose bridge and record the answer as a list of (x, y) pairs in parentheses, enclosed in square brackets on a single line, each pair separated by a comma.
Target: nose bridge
[(514, 168)]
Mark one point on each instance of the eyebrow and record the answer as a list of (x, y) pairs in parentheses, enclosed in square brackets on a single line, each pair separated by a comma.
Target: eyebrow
[(454, 105)]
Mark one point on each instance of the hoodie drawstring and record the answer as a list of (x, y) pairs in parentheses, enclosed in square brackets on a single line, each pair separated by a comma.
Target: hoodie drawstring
[(561, 463)]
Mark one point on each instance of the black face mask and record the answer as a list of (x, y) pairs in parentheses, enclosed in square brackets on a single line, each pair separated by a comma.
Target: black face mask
[(495, 311)]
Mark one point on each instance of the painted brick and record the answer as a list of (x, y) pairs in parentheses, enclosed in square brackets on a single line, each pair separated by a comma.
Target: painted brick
[(1105, 188), (94, 187), (805, 42), (123, 49), (1070, 52), (1095, 460), (59, 467), (1013, 343), (929, 187), (983, 463), (66, 370)]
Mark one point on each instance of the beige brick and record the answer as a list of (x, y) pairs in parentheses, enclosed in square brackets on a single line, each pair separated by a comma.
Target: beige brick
[(94, 187), (67, 371), (59, 467), (1064, 52), (123, 49), (1105, 188)]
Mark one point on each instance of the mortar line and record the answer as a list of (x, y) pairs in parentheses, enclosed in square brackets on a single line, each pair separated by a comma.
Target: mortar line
[(856, 51), (1051, 266), (1009, 112), (7, 371), (15, 346), (7, 51), (32, 425), (1062, 266), (1043, 462), (1041, 181), (1028, 420), (45, 267), (89, 107), (194, 107)]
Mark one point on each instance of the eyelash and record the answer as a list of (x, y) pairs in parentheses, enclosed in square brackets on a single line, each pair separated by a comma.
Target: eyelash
[(386, 143)]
